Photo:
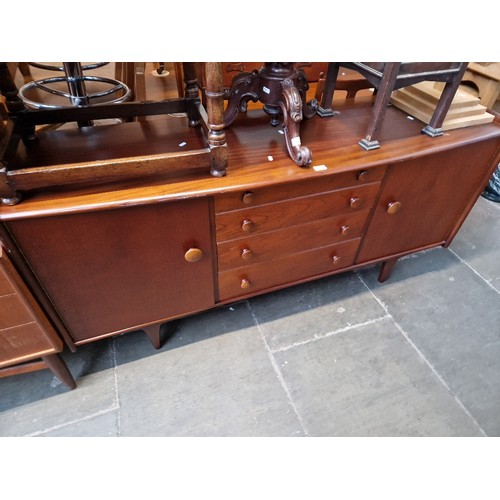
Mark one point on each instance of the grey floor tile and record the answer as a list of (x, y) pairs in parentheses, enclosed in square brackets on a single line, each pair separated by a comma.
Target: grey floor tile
[(105, 425), (453, 317), (478, 241), (313, 309), (369, 381), (37, 402), (223, 384)]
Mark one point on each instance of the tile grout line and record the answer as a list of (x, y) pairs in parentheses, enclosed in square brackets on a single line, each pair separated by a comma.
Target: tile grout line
[(330, 334), (473, 270), (277, 370), (116, 397), (426, 361), (71, 422)]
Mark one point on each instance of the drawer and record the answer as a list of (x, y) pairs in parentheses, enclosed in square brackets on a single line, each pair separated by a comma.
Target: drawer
[(253, 249), (25, 342), (258, 277), (260, 196), (13, 312), (5, 286), (261, 219)]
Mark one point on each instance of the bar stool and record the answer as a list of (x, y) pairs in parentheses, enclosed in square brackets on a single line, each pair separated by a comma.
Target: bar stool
[(73, 89)]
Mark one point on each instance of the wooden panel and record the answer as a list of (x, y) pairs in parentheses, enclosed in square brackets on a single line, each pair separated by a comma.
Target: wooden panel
[(276, 244), (113, 270), (286, 270), (433, 192), (244, 199), (294, 212), (25, 342)]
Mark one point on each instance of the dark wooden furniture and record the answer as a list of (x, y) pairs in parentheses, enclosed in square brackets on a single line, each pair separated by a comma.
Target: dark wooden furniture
[(282, 88), (153, 249), (389, 76), (28, 342), (193, 147)]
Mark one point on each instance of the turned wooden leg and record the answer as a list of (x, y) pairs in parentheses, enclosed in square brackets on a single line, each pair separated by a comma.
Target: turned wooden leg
[(386, 269), (215, 114), (58, 367)]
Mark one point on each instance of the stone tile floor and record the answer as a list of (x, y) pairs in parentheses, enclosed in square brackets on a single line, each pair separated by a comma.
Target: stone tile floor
[(343, 356)]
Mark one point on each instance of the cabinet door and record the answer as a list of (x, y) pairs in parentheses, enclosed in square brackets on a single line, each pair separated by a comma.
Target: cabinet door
[(113, 270), (432, 194)]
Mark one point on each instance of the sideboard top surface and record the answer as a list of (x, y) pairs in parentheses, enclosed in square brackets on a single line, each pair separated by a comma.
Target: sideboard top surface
[(257, 156)]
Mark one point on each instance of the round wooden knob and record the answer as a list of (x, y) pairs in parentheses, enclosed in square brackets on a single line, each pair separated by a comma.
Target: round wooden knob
[(248, 198), (245, 283), (246, 254), (363, 176), (247, 225), (193, 255), (393, 207), (345, 230), (336, 259), (355, 202)]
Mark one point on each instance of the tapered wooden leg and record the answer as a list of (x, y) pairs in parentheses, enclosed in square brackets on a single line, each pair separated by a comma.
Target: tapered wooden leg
[(384, 90), (386, 269), (58, 367), (153, 332), (434, 128)]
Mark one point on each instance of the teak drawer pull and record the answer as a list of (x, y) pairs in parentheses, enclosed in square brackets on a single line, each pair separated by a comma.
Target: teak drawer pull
[(336, 260), (355, 202), (393, 207), (246, 254), (248, 198), (247, 225), (345, 230), (245, 283), (193, 255)]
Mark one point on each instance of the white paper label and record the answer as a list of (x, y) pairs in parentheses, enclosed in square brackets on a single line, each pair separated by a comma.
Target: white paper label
[(295, 141), (182, 144), (270, 158), (266, 90), (319, 168)]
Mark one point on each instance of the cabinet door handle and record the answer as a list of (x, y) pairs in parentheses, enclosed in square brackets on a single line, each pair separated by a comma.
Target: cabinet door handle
[(336, 260), (248, 197), (193, 255), (393, 207), (355, 202), (246, 254), (248, 226)]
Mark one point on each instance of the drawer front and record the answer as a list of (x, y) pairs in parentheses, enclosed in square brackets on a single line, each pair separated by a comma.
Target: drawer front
[(261, 219), (25, 342), (13, 312), (243, 199), (258, 277), (5, 286), (253, 249)]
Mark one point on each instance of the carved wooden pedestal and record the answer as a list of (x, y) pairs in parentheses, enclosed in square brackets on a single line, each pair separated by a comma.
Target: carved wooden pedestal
[(282, 89)]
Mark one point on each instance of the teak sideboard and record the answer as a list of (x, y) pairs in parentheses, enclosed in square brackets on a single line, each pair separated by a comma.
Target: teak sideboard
[(105, 259)]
